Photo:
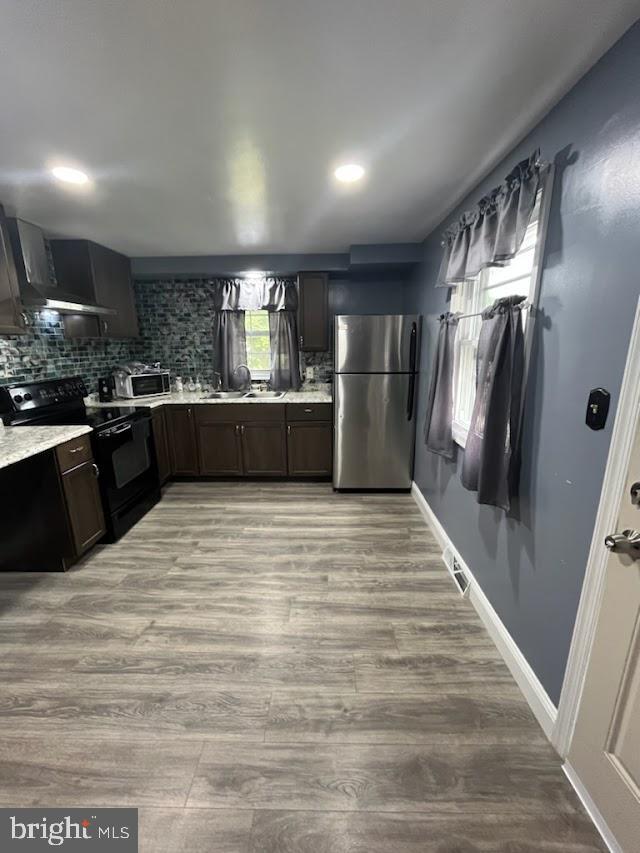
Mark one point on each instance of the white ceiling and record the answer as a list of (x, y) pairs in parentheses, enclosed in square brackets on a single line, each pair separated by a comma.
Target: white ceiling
[(212, 126)]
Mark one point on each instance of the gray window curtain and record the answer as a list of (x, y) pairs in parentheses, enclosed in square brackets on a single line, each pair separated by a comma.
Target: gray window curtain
[(490, 465), (281, 300), (278, 296), (285, 358), (492, 233), (438, 433), (230, 348)]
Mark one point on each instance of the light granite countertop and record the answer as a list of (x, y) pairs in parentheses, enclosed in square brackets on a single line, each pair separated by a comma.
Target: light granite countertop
[(21, 442), (320, 395)]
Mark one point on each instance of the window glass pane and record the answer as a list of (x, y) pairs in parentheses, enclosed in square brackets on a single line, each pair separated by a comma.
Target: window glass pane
[(520, 266), (258, 342)]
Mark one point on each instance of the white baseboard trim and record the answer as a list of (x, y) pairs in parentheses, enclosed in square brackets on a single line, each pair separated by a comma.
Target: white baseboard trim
[(535, 694), (591, 809)]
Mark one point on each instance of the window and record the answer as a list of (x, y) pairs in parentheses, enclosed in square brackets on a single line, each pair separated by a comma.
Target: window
[(258, 344), (516, 278)]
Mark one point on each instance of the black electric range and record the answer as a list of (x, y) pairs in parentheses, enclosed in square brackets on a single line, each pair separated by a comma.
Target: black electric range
[(122, 443)]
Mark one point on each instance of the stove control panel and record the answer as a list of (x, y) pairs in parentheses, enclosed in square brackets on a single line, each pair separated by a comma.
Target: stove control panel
[(35, 395)]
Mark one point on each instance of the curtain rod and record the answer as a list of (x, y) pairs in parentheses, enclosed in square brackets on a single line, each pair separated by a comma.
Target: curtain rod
[(523, 306)]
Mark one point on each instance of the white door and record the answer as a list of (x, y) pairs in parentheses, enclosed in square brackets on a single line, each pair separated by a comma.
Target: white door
[(605, 750)]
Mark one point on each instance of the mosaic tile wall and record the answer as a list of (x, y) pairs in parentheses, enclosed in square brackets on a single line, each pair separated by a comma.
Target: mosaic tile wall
[(44, 353), (176, 325)]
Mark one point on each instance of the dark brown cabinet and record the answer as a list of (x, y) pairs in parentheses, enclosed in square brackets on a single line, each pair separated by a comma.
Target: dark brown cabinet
[(264, 449), (310, 439), (100, 275), (82, 495), (181, 437), (220, 453), (242, 440), (12, 320), (159, 427), (310, 450), (250, 440), (313, 311)]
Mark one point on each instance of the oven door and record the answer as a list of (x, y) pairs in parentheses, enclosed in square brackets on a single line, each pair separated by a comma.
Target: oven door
[(126, 458)]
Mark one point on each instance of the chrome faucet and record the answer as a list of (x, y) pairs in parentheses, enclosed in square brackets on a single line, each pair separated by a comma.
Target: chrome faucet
[(242, 376)]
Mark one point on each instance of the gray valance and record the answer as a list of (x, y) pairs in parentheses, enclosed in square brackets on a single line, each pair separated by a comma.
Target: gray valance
[(269, 294), (491, 234)]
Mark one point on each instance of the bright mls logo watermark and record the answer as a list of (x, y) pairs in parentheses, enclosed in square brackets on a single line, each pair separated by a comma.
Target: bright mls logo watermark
[(35, 830)]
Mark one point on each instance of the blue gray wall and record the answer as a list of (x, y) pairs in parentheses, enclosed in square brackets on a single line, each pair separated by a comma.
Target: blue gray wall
[(532, 569)]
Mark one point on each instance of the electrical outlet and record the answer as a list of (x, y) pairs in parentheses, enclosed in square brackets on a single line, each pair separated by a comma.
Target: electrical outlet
[(311, 372)]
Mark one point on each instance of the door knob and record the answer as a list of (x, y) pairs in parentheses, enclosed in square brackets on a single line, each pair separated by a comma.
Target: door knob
[(627, 542)]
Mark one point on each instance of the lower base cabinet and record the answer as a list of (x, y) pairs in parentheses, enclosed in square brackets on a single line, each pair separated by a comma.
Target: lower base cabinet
[(82, 496), (310, 449), (79, 476), (181, 437), (219, 450), (248, 440), (264, 449), (159, 427)]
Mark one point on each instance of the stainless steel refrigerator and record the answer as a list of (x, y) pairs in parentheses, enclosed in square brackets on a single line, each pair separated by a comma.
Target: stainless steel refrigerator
[(376, 360)]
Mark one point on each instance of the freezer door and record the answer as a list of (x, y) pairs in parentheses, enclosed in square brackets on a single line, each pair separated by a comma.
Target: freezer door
[(374, 431), (376, 343)]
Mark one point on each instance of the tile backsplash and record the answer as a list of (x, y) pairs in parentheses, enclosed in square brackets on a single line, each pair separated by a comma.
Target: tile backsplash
[(43, 353), (176, 328), (176, 325)]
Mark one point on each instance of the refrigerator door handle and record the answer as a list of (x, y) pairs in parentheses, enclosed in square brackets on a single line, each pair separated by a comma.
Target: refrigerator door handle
[(410, 395), (413, 342), (412, 367)]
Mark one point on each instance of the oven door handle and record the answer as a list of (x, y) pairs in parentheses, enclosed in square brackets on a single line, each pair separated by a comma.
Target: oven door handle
[(115, 431)]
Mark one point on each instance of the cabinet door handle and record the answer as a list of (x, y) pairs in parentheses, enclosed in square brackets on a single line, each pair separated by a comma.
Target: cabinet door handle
[(301, 340), (308, 411), (96, 470), (76, 449), (288, 429), (242, 429), (105, 326)]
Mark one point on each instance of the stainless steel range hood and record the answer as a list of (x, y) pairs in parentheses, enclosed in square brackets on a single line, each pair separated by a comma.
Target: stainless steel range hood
[(32, 264)]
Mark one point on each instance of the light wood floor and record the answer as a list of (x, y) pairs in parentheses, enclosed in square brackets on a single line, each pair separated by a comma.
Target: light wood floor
[(275, 669)]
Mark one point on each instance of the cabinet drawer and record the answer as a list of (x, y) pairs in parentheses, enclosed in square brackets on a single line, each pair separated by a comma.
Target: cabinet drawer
[(309, 412), (239, 412), (74, 453)]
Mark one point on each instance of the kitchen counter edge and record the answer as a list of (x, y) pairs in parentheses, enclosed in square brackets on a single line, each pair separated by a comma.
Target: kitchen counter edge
[(21, 442), (198, 398)]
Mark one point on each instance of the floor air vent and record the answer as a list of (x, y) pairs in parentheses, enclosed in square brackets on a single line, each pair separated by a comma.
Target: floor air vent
[(456, 571)]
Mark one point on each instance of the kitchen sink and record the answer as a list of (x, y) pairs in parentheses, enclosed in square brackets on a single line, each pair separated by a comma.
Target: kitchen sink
[(265, 395), (225, 395)]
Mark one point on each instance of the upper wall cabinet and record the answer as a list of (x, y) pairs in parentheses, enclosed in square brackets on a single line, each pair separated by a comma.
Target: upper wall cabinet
[(313, 311), (103, 276), (11, 317)]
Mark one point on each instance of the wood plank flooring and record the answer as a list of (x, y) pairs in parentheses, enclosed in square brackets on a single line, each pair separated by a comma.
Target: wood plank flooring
[(275, 668)]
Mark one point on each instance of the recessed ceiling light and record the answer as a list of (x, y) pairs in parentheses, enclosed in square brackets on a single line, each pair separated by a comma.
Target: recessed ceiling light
[(349, 173), (69, 175)]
